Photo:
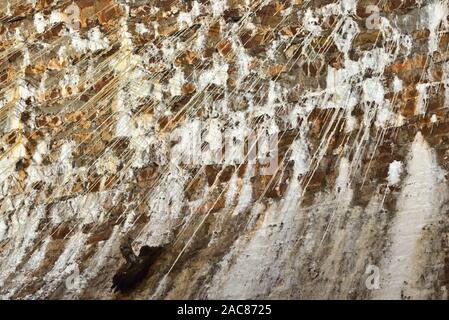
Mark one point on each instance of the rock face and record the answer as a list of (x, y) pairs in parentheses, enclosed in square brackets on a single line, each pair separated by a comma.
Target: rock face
[(154, 120)]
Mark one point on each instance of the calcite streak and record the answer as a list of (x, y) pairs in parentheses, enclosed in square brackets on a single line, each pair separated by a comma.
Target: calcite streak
[(419, 204)]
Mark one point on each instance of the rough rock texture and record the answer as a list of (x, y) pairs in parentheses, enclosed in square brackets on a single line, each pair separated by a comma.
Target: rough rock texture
[(91, 111)]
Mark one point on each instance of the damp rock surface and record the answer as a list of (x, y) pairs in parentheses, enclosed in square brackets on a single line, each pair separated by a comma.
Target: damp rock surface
[(145, 119)]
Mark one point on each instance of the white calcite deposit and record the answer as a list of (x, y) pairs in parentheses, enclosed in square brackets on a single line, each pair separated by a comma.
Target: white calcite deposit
[(152, 120)]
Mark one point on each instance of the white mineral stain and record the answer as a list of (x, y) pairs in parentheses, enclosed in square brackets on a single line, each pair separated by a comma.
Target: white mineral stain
[(423, 193)]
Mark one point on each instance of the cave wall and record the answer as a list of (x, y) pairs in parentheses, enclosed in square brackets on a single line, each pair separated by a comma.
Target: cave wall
[(98, 98)]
